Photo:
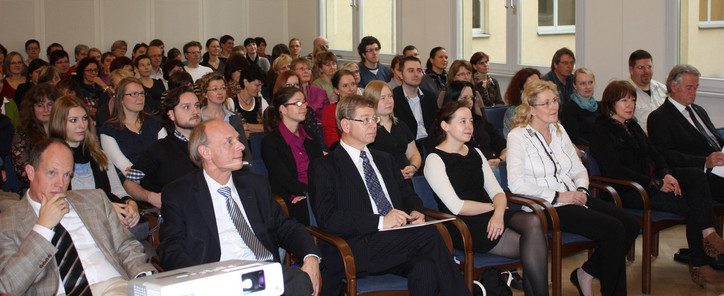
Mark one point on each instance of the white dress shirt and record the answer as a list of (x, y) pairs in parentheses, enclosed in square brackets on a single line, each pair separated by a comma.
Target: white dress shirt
[(416, 107), (645, 104), (230, 241), (539, 169), (354, 154), (96, 266), (686, 114)]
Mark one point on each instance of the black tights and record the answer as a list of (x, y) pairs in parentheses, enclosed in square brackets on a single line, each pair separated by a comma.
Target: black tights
[(526, 240)]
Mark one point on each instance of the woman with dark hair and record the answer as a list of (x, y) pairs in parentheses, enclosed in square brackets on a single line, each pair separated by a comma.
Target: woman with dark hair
[(279, 50), (59, 59), (91, 86), (211, 57), (624, 152), (487, 86), (435, 77), (292, 79), (70, 122), (461, 70), (33, 126), (261, 47), (288, 149), (154, 88), (106, 60), (393, 136), (579, 115), (15, 74), (121, 62), (316, 96), (464, 185), (344, 86), (130, 130), (326, 66), (247, 102), (394, 79), (138, 50), (512, 95), (36, 66), (485, 137), (543, 163)]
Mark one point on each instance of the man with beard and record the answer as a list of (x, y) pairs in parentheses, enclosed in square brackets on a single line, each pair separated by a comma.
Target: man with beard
[(167, 159)]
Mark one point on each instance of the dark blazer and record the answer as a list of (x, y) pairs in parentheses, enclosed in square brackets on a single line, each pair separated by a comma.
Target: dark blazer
[(579, 123), (281, 165), (403, 112), (342, 205), (189, 235), (626, 156), (681, 144)]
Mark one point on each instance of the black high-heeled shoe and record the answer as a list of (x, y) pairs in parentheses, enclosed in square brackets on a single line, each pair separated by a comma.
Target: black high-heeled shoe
[(574, 280)]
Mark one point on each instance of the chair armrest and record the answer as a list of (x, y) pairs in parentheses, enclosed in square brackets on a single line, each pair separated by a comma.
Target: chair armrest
[(610, 190), (636, 186), (350, 269), (281, 202), (545, 205), (459, 224)]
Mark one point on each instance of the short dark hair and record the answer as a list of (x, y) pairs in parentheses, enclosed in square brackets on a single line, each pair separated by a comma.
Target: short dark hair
[(454, 89), (191, 44), (119, 62), (560, 53), (338, 76), (39, 147), (138, 46), (57, 55), (31, 41), (614, 92), (171, 101), (235, 62), (401, 65), (638, 54), (260, 40), (54, 44), (249, 40), (3, 50), (167, 66), (180, 78), (408, 48), (251, 73), (156, 42), (225, 38), (208, 42), (84, 64), (139, 58), (367, 40), (35, 65)]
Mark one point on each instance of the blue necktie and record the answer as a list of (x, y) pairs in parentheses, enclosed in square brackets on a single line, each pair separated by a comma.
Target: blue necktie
[(251, 241), (373, 185)]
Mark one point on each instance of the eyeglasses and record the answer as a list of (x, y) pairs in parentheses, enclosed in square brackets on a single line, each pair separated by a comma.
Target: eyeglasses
[(567, 63), (641, 68), (193, 52), (302, 69), (367, 121), (291, 85), (91, 70), (136, 94), (215, 89), (355, 72), (372, 50), (546, 104), (298, 104), (33, 48)]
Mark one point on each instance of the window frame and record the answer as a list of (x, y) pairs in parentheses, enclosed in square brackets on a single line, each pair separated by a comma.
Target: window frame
[(555, 29), (479, 30), (708, 23)]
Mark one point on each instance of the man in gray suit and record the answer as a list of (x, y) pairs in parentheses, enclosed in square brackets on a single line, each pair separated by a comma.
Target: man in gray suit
[(55, 241)]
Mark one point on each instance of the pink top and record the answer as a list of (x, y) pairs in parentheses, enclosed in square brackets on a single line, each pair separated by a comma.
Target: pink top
[(296, 143)]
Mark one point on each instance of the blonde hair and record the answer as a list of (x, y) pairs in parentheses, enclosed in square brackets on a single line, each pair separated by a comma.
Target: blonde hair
[(583, 71), (58, 128), (374, 90), (277, 64), (116, 75), (528, 99)]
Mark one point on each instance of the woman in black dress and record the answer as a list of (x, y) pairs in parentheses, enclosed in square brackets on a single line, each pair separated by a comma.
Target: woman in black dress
[(624, 152), (393, 136), (464, 186)]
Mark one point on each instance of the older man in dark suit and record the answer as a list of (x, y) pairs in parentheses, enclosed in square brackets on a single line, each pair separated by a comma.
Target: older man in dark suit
[(219, 213), (683, 132), (356, 192), (56, 242)]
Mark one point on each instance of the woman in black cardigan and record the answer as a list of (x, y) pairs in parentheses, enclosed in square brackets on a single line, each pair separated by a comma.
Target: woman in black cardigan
[(624, 152), (578, 116), (288, 148)]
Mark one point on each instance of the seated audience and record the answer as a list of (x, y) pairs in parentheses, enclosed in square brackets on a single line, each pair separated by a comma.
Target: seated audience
[(461, 70), (211, 57), (122, 62), (288, 149), (393, 135), (344, 86), (414, 105), (60, 60), (130, 130), (154, 88), (435, 77), (487, 86), (91, 86), (209, 214), (138, 50), (81, 52), (464, 185), (354, 68), (512, 95), (316, 96), (192, 53), (279, 50), (579, 115), (107, 100), (15, 74), (349, 200), (562, 65), (166, 159), (543, 163), (394, 79), (261, 47), (32, 127), (370, 68), (326, 66), (253, 58), (624, 152), (34, 69), (119, 48), (32, 48), (69, 87), (291, 79), (248, 102)]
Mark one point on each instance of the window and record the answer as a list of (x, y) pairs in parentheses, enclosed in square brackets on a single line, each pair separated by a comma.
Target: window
[(556, 17), (479, 18), (345, 22), (711, 13)]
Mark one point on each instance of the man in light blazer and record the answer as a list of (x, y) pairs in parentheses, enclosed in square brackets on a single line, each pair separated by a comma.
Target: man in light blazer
[(675, 134), (105, 249)]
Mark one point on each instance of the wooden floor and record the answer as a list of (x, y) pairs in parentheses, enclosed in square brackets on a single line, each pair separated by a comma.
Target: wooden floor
[(668, 276)]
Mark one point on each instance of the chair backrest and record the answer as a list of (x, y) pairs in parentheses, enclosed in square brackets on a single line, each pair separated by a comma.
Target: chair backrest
[(312, 218), (255, 142), (258, 167), (593, 168), (12, 183), (502, 175), (496, 115), (423, 190)]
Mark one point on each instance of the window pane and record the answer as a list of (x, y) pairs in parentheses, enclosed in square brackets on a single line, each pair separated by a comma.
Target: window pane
[(697, 43), (379, 21), (495, 44), (545, 12), (537, 49), (702, 10), (338, 24), (717, 10), (477, 14), (566, 12)]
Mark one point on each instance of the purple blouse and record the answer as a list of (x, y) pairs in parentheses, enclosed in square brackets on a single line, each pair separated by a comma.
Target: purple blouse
[(296, 143)]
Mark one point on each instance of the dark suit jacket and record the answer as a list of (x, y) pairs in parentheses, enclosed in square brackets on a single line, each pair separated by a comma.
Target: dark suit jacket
[(281, 165), (678, 140), (403, 112), (189, 235), (342, 206)]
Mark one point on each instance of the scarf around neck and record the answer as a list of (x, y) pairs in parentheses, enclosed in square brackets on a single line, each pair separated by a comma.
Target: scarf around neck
[(588, 105)]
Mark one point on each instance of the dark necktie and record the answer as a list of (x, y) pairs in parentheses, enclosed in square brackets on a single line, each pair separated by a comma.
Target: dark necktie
[(251, 241), (711, 140), (373, 185), (69, 266)]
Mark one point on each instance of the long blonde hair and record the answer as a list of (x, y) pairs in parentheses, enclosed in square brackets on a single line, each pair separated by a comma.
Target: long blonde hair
[(528, 99), (57, 128)]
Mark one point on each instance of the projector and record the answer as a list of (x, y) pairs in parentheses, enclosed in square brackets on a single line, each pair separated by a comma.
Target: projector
[(232, 277)]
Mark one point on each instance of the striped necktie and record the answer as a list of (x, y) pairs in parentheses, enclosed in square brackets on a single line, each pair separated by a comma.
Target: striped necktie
[(251, 241), (69, 265), (373, 185)]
